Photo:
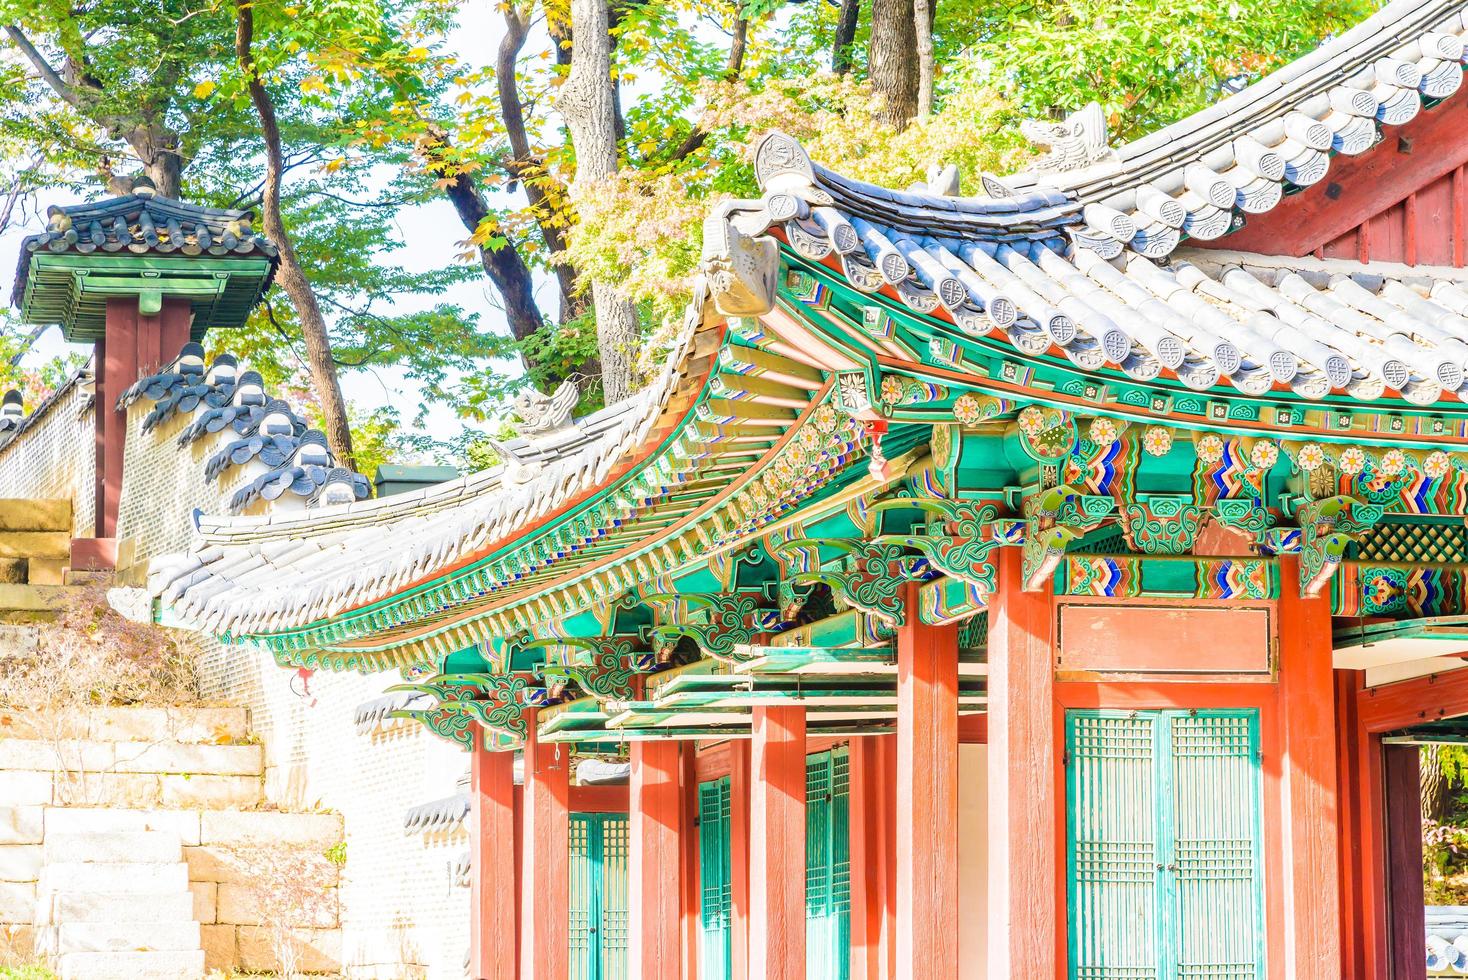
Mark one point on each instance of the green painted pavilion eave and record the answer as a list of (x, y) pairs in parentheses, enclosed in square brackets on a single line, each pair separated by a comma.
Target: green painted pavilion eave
[(72, 289)]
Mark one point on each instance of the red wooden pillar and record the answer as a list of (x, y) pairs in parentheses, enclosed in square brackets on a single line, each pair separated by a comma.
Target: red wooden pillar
[(1352, 810), (777, 845), (546, 871), (927, 796), (867, 899), (739, 777), (691, 906), (492, 894), (133, 344), (1026, 932), (1406, 920), (656, 858), (1311, 835)]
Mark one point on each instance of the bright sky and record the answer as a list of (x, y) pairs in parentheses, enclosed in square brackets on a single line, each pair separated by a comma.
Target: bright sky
[(431, 232)]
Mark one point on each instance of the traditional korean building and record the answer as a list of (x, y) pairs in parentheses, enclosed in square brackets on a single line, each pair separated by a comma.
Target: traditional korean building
[(1044, 575)]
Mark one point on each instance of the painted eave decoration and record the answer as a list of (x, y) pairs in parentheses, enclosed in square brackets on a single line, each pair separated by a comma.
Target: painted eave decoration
[(875, 390)]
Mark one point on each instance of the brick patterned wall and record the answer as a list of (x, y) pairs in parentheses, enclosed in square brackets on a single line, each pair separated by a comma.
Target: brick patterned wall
[(55, 457)]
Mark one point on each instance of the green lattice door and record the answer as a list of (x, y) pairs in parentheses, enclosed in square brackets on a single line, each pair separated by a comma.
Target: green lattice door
[(827, 866), (715, 879), (599, 913), (1163, 854)]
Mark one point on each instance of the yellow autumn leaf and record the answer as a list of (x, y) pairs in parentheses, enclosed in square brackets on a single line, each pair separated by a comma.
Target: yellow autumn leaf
[(204, 89)]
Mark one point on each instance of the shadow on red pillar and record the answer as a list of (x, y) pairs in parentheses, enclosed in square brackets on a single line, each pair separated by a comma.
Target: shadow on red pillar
[(546, 872), (492, 893), (739, 773), (777, 845), (1312, 942), (134, 344), (1025, 883), (656, 858), (1406, 919), (927, 797)]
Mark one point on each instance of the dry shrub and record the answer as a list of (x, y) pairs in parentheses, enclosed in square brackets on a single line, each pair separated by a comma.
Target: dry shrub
[(92, 656), (291, 888)]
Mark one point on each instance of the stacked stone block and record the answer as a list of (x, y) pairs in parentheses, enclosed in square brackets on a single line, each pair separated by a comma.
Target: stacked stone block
[(137, 881)]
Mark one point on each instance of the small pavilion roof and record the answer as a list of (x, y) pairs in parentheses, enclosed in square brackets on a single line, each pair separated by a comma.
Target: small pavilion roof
[(211, 255)]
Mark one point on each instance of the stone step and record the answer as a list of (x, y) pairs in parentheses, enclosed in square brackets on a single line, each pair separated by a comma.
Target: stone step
[(88, 906), (183, 824), (115, 878), (92, 755), (131, 966), (117, 846), (118, 937)]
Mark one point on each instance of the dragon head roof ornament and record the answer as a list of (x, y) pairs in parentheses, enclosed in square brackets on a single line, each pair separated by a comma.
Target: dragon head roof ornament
[(540, 413), (1077, 142)]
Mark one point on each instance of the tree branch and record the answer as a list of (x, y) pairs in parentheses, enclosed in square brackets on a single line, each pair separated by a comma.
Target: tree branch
[(48, 74)]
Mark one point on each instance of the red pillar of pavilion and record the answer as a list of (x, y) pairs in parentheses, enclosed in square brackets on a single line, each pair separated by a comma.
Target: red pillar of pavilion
[(1026, 932), (777, 845), (492, 886), (927, 796), (1406, 922), (546, 866), (1311, 835), (134, 343), (656, 860), (739, 776)]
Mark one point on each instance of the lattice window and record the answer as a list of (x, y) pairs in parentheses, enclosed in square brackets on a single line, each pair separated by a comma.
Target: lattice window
[(1414, 542)]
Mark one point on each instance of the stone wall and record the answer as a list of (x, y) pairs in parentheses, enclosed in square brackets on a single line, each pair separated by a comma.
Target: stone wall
[(196, 774), (401, 913)]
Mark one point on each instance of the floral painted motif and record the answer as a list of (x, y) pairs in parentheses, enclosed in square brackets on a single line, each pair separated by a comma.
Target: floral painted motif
[(1393, 462), (1103, 431), (1264, 454), (1157, 440), (1032, 421), (892, 389), (1352, 460), (1210, 449), (1436, 464), (1310, 457), (966, 409), (825, 419)]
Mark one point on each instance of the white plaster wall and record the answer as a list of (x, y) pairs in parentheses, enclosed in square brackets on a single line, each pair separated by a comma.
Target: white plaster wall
[(973, 861)]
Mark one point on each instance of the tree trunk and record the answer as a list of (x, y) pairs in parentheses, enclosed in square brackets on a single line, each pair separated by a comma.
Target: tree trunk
[(544, 193), (290, 275), (846, 23), (504, 266), (1434, 783), (587, 103), (892, 60), (922, 23)]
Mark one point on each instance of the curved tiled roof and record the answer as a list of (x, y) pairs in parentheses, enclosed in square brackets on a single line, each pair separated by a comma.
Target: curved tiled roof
[(375, 715), (257, 574), (1447, 941), (1198, 177), (12, 413), (15, 421), (140, 224), (439, 816), (270, 432)]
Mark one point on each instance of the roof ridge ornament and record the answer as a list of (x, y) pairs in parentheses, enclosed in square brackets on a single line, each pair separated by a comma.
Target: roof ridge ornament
[(540, 413), (780, 155), (1075, 143)]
